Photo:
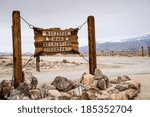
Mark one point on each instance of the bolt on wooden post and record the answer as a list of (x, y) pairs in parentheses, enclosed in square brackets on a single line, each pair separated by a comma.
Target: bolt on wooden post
[(142, 51), (92, 44), (17, 55)]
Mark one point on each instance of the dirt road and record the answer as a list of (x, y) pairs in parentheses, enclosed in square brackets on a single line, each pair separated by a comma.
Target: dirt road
[(137, 68)]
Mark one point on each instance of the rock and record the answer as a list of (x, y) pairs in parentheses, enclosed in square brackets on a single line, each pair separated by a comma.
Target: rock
[(114, 81), (106, 80), (88, 95), (94, 95), (49, 86), (30, 80), (23, 88), (6, 92), (133, 85), (120, 79), (121, 87), (125, 78), (15, 95), (48, 98), (35, 94), (78, 91), (25, 98), (27, 77), (75, 98), (54, 93), (93, 85), (43, 92), (64, 96), (132, 93), (87, 79), (62, 84), (102, 96), (101, 84), (117, 97), (34, 83), (65, 61), (5, 88), (112, 91), (98, 74)]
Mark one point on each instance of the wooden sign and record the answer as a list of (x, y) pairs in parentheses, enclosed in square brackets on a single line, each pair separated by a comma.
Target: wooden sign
[(54, 40)]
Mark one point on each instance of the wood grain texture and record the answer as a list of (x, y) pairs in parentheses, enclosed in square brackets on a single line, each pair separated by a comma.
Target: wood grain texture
[(92, 44), (17, 55)]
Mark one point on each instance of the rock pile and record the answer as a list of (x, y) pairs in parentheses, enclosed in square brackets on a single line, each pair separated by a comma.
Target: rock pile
[(89, 87)]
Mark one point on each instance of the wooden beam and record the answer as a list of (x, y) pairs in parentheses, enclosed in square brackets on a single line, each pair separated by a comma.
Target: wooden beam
[(38, 63), (17, 55), (92, 44), (142, 51), (148, 51)]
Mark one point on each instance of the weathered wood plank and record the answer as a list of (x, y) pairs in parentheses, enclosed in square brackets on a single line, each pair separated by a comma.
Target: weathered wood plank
[(17, 55), (92, 44)]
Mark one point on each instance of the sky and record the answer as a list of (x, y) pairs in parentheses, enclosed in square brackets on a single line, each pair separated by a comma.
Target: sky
[(115, 20)]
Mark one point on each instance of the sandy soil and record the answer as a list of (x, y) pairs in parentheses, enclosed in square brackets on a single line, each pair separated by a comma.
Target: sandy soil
[(137, 68)]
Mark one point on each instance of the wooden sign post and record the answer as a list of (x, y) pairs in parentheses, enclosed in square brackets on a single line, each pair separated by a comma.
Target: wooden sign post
[(54, 40), (148, 51), (38, 63), (17, 55), (92, 44), (142, 51)]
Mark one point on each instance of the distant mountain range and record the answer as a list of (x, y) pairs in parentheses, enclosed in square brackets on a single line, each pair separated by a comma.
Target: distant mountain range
[(133, 44), (5, 54), (9, 54)]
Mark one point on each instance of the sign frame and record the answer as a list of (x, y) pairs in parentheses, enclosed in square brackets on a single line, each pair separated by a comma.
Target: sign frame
[(55, 40)]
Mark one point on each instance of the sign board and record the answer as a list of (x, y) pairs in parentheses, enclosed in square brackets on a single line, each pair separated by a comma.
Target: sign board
[(54, 40)]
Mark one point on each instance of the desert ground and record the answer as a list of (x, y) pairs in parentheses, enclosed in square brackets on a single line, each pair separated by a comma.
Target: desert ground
[(72, 67)]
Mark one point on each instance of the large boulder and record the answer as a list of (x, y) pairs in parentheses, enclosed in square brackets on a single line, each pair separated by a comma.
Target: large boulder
[(87, 79), (132, 84), (98, 74), (103, 83), (132, 93), (62, 84), (30, 80), (20, 93)]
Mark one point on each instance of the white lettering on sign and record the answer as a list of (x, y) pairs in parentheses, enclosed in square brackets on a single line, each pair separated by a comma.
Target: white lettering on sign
[(56, 39), (56, 33), (51, 44), (57, 49)]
